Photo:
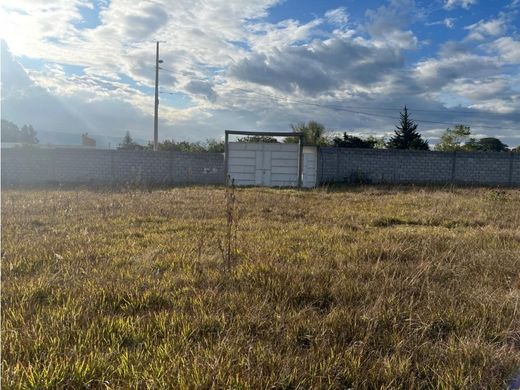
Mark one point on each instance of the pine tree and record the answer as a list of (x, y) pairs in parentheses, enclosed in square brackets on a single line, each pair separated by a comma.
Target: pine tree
[(128, 143), (406, 136)]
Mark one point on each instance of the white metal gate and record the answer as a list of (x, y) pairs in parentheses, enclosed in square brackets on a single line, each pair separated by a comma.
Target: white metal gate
[(263, 164), (310, 166), (270, 164)]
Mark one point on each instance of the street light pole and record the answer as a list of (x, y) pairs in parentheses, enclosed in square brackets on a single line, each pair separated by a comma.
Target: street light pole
[(156, 112)]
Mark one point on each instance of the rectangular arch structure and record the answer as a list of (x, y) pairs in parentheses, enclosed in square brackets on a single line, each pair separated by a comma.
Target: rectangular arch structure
[(264, 164)]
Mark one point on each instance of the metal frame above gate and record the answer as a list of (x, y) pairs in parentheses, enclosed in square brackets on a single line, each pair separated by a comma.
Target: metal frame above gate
[(300, 136)]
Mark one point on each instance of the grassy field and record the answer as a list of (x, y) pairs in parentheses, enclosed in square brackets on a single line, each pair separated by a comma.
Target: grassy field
[(363, 287)]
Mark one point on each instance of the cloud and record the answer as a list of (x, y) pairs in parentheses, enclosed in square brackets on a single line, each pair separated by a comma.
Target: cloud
[(436, 73), (490, 28), (338, 16), (514, 4), (24, 102), (318, 67), (448, 22), (501, 106), (266, 37), (466, 4), (385, 24), (144, 20), (487, 88), (213, 50), (203, 88), (507, 48)]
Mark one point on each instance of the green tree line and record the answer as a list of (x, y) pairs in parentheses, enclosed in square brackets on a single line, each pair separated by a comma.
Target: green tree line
[(211, 145), (12, 133), (406, 136)]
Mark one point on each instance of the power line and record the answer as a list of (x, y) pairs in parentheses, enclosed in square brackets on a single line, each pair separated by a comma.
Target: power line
[(354, 109), (360, 107), (346, 109), (167, 70), (377, 108)]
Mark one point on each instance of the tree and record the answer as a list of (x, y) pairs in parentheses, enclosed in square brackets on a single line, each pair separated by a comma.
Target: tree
[(215, 146), (28, 135), (378, 142), (182, 146), (453, 140), (491, 144), (128, 143), (351, 141), (313, 133), (406, 136), (11, 133), (185, 146), (166, 145), (258, 138), (472, 145)]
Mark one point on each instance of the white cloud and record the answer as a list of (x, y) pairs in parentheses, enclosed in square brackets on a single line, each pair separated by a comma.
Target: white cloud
[(435, 73), (450, 4), (498, 106), (488, 88), (514, 4), (507, 48), (214, 47), (482, 29), (338, 16), (266, 37), (448, 22), (386, 24)]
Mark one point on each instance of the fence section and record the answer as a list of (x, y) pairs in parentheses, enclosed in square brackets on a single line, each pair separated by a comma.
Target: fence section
[(69, 165), (410, 166)]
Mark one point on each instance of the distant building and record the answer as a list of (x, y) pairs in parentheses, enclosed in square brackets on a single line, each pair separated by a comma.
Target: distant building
[(87, 141)]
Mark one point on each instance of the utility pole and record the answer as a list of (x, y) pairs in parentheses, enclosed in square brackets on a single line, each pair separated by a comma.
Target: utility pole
[(156, 112)]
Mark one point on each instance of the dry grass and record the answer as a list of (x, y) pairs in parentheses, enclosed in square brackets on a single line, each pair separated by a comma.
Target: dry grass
[(366, 287)]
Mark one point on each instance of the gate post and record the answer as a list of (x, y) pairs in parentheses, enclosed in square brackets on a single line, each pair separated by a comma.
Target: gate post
[(300, 162), (226, 159)]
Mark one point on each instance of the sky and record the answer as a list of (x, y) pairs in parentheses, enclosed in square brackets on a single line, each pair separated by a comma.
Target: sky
[(75, 66)]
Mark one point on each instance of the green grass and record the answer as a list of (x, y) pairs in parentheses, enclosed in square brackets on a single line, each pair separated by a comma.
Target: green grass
[(364, 287)]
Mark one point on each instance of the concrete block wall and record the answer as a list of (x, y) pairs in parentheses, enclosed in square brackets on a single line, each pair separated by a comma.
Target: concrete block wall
[(490, 168), (24, 167), (33, 166), (72, 165), (515, 171), (409, 166), (76, 165)]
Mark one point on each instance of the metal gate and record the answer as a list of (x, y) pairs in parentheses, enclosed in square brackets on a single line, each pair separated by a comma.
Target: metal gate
[(270, 164), (264, 164), (310, 166)]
